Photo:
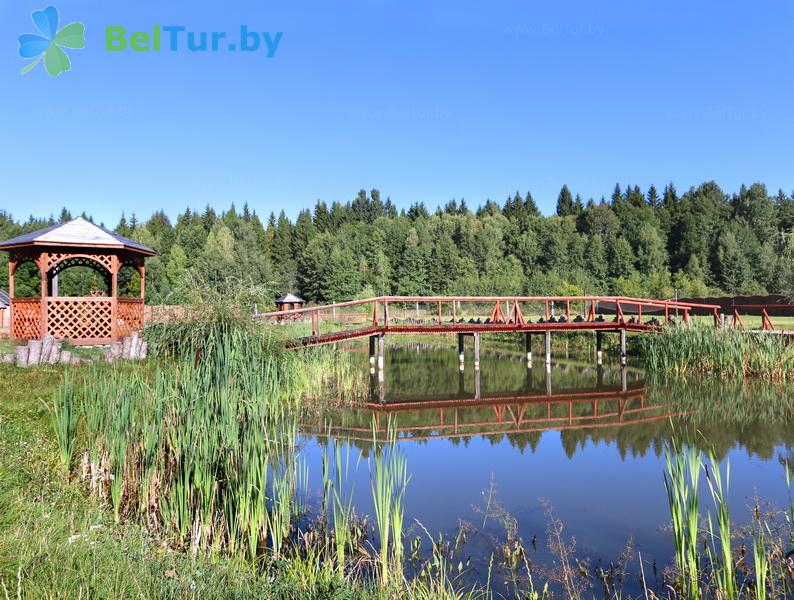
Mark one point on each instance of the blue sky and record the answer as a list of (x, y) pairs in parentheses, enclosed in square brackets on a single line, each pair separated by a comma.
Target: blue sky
[(426, 100)]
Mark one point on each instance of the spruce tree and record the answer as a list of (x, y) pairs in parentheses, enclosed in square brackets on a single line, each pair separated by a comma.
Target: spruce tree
[(653, 197), (565, 205)]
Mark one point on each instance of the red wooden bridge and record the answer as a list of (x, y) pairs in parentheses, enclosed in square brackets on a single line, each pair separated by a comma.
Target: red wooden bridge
[(471, 315)]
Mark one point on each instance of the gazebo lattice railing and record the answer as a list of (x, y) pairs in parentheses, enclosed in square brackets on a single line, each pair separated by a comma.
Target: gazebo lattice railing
[(25, 324)]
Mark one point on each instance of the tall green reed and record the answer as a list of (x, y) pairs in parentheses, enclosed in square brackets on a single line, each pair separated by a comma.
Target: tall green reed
[(704, 349), (338, 500), (388, 484), (681, 481), (65, 421), (760, 560), (721, 555), (202, 450)]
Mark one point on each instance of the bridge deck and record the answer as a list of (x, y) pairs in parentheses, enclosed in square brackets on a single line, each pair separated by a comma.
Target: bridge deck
[(464, 328)]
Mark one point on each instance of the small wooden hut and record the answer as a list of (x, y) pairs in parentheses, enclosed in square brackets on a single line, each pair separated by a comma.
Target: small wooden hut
[(81, 320), (289, 302)]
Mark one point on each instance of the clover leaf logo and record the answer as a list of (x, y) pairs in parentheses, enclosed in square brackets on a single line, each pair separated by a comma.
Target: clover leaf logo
[(49, 45)]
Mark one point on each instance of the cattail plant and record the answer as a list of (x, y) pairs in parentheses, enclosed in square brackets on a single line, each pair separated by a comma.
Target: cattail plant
[(682, 482), (65, 421), (707, 350), (388, 483), (721, 554)]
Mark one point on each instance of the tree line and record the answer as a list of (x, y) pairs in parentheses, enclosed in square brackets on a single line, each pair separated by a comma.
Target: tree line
[(634, 243)]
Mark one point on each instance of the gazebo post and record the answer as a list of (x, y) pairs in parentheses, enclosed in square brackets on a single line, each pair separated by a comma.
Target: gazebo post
[(43, 295), (12, 267), (142, 271), (114, 298)]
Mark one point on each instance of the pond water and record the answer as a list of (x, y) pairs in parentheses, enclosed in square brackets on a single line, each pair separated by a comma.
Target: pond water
[(586, 441)]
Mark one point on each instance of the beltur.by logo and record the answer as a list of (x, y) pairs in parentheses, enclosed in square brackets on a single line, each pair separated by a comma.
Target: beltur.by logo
[(175, 38), (49, 44)]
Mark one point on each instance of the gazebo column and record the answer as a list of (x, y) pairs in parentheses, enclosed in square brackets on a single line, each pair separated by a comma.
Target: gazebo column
[(142, 271), (114, 298), (43, 257), (12, 267)]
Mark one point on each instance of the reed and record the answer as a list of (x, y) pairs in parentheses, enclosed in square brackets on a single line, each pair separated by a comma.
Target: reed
[(388, 484), (721, 554), (760, 560), (200, 448), (681, 481), (65, 421), (707, 350), (338, 502)]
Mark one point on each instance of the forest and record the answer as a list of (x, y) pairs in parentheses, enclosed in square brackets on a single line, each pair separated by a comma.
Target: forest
[(634, 243)]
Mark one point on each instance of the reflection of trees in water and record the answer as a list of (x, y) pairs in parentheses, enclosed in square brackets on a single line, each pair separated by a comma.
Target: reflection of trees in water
[(721, 414), (754, 415)]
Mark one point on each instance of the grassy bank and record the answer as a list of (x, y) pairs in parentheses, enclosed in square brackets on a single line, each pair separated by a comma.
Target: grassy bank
[(56, 542), (708, 350)]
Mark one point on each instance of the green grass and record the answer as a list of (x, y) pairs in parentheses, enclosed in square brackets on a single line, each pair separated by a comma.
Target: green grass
[(7, 345)]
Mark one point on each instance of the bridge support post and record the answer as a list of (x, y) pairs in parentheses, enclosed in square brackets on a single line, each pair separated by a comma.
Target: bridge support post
[(600, 376), (372, 340), (461, 355), (476, 351), (548, 381), (381, 345), (547, 335), (622, 347), (624, 379), (477, 389), (377, 388), (528, 346), (599, 347)]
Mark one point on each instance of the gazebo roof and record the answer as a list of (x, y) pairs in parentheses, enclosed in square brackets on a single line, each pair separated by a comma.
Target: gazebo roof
[(79, 233), (289, 299)]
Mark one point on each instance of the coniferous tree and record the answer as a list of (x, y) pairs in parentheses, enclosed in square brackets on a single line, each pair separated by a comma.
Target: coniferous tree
[(617, 195), (530, 207), (565, 205), (653, 197)]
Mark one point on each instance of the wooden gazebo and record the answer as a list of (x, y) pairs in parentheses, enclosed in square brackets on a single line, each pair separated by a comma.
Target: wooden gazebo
[(84, 320), (289, 302)]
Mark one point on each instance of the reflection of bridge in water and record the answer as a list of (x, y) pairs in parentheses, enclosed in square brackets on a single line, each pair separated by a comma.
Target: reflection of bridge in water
[(497, 415), (377, 389)]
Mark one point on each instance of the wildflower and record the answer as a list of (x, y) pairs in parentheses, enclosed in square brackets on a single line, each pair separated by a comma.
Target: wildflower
[(49, 45)]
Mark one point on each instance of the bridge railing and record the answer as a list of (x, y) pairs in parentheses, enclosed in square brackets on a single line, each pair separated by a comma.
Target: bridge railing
[(761, 310), (516, 311)]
